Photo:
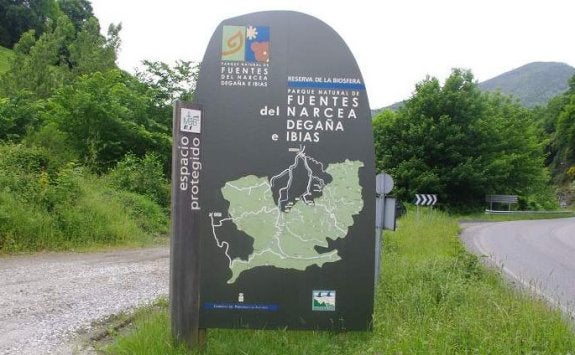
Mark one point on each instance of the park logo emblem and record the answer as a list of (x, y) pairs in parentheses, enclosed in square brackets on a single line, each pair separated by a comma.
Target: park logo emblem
[(323, 300), (246, 43), (191, 121)]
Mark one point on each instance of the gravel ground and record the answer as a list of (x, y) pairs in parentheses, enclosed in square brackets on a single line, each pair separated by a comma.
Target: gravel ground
[(46, 298)]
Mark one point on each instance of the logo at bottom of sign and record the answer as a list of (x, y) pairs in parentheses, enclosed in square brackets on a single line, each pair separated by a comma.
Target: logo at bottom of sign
[(191, 121), (323, 300)]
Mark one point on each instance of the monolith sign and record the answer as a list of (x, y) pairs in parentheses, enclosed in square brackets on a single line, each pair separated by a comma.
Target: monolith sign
[(280, 200)]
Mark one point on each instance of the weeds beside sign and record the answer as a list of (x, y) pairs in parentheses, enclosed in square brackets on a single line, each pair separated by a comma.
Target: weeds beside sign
[(284, 211)]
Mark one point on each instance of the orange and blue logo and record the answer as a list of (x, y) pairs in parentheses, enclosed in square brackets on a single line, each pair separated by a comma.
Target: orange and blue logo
[(246, 43)]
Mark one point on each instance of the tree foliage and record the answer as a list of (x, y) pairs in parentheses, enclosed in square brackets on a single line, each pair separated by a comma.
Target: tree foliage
[(78, 11), (105, 116), (41, 66), (170, 83), (37, 66), (91, 52), (457, 142), (20, 16), (18, 114), (563, 143), (65, 86)]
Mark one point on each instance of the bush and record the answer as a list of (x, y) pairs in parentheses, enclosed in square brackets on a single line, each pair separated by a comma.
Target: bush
[(148, 215), (17, 114), (143, 176), (54, 142), (43, 206), (23, 172), (23, 226)]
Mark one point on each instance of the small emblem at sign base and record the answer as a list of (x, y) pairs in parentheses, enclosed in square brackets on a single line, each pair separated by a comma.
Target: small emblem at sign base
[(191, 121), (323, 300)]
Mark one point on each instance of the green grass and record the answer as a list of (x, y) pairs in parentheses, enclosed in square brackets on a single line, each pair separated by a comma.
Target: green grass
[(433, 298), (482, 217), (53, 207), (5, 56), (99, 217)]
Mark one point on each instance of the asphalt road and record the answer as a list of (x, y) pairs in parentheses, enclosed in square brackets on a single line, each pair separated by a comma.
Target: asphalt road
[(538, 254), (46, 298)]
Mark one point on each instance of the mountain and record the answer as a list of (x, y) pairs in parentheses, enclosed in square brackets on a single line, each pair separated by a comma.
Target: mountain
[(392, 107), (534, 83)]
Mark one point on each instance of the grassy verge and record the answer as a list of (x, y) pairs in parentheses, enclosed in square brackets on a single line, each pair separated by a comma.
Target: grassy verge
[(482, 217), (433, 298), (98, 217), (64, 207)]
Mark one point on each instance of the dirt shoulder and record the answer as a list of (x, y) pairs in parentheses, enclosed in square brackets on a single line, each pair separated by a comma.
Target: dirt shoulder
[(45, 299)]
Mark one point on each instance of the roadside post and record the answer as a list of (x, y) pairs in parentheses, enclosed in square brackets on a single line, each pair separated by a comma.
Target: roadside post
[(185, 229), (273, 183), (384, 216), (424, 200)]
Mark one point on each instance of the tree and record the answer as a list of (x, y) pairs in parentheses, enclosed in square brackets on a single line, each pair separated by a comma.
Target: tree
[(37, 66), (90, 51), (41, 66), (170, 83), (512, 150), (78, 11), (564, 138), (18, 114), (20, 16), (457, 142), (107, 115)]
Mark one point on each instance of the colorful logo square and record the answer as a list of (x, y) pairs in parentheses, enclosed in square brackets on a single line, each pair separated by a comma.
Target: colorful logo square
[(234, 43), (246, 43), (323, 300)]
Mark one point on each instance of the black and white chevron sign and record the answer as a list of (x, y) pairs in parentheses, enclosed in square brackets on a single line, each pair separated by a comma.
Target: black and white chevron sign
[(425, 199)]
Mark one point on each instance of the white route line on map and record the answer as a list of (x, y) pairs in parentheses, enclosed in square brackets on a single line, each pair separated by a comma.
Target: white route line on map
[(314, 183)]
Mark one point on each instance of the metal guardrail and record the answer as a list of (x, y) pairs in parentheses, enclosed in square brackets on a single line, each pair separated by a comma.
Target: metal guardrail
[(529, 212), (506, 199)]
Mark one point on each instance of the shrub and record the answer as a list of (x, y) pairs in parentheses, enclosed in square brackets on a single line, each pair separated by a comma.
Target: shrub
[(45, 206), (143, 176)]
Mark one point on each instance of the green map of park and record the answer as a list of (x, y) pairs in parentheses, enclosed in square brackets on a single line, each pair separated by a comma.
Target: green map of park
[(287, 231)]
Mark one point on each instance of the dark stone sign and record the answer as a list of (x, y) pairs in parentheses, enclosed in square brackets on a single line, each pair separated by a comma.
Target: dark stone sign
[(283, 196)]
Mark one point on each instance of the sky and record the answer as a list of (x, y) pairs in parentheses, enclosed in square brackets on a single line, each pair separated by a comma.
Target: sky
[(396, 43)]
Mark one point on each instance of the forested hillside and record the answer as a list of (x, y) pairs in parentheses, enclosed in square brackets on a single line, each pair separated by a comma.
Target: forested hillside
[(84, 146)]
